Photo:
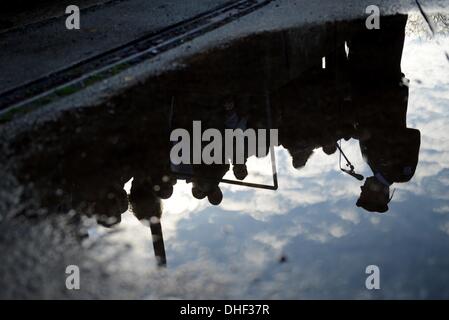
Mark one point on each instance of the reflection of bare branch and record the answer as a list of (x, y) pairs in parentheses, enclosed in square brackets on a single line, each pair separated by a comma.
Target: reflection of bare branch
[(417, 26), (442, 20)]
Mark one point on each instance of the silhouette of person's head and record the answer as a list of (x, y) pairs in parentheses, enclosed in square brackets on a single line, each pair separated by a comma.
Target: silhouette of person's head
[(300, 157), (145, 204), (240, 171), (163, 186), (329, 148), (109, 208), (103, 199), (215, 196), (375, 196)]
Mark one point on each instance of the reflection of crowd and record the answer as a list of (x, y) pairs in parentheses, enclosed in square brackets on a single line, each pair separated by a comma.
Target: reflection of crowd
[(360, 95), (317, 110)]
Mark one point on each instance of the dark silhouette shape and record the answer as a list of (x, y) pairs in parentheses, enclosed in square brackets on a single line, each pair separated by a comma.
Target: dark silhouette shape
[(148, 207)]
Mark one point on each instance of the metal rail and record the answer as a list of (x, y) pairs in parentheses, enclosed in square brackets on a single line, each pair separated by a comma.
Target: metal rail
[(82, 74)]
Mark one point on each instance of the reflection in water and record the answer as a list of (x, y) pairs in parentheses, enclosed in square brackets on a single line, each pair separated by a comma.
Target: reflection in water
[(361, 95)]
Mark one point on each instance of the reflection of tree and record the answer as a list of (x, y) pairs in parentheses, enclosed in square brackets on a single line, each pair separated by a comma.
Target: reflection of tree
[(418, 27)]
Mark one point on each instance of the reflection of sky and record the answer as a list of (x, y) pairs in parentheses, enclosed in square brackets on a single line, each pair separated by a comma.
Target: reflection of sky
[(233, 251)]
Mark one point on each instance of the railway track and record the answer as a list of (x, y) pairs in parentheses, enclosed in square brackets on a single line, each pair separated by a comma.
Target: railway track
[(77, 76)]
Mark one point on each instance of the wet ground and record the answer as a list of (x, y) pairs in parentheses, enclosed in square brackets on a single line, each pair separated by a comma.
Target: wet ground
[(105, 25), (73, 189)]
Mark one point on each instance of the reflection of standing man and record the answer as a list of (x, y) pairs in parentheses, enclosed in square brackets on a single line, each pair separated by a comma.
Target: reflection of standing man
[(392, 156), (380, 98)]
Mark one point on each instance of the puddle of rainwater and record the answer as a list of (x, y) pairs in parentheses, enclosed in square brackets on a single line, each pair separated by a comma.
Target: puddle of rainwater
[(379, 96)]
